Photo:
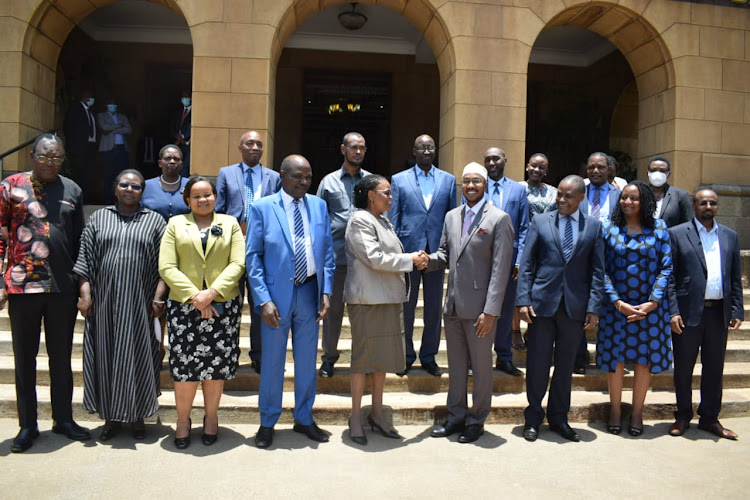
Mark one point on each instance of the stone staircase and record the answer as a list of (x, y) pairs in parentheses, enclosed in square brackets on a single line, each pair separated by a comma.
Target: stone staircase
[(417, 398)]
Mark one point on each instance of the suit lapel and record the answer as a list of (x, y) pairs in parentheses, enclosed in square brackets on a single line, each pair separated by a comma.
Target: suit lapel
[(310, 222), (554, 227), (239, 178), (695, 240), (505, 195), (265, 177), (725, 251), (278, 210), (582, 226), (195, 235), (665, 203), (211, 238), (415, 186), (474, 226)]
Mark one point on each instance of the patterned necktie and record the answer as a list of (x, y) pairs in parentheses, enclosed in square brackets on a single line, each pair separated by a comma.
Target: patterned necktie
[(595, 209), (568, 239), (249, 194), (496, 195), (467, 224), (300, 257)]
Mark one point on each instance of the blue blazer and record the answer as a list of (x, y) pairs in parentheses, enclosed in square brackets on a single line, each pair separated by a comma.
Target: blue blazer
[(415, 224), (516, 204), (230, 189), (687, 285), (270, 251), (613, 196), (545, 276)]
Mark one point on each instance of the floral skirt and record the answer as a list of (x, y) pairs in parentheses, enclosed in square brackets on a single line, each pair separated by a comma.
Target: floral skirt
[(203, 349)]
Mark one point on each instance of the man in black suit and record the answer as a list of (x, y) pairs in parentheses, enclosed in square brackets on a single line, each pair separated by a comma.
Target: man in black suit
[(180, 129), (560, 294), (673, 205), (81, 134), (705, 298)]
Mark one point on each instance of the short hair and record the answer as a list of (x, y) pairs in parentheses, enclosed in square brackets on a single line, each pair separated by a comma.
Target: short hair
[(130, 171), (367, 184), (648, 206), (576, 181), (703, 188), (169, 146), (539, 154), (47, 137), (349, 135), (598, 153), (612, 161), (192, 182), (660, 158)]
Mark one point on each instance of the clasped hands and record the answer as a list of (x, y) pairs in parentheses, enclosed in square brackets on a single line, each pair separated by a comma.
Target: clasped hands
[(420, 259), (635, 312)]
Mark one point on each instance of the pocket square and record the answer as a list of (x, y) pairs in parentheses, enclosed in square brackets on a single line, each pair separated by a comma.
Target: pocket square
[(481, 230)]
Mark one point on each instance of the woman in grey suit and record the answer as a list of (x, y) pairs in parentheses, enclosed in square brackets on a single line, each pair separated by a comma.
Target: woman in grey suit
[(376, 287)]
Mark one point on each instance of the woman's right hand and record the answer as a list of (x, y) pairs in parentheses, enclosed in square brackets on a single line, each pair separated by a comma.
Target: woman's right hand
[(630, 312), (208, 312), (85, 306)]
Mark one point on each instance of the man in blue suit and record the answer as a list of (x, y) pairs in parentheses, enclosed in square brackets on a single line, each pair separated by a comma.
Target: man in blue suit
[(705, 298), (422, 195), (510, 197), (236, 188), (290, 269), (560, 294)]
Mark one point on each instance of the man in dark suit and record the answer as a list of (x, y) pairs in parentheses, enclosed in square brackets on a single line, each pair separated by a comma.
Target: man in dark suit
[(290, 267), (180, 125), (477, 247), (509, 196), (705, 298), (673, 205), (81, 134), (560, 294), (422, 195), (237, 187)]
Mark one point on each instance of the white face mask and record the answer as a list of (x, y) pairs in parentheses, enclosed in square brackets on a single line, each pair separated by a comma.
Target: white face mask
[(657, 179)]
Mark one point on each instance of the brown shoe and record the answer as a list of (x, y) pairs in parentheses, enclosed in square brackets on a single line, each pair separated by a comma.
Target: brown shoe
[(679, 427), (718, 430)]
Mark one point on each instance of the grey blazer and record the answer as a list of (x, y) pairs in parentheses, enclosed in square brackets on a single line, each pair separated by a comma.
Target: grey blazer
[(377, 264), (479, 266), (108, 128), (677, 206)]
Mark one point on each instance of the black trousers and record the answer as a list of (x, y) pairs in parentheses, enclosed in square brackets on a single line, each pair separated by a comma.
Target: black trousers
[(255, 320), (710, 337), (559, 335), (26, 312)]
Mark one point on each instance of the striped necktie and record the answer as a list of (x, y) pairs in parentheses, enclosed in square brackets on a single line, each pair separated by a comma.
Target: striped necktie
[(596, 208), (249, 192), (300, 256), (568, 239)]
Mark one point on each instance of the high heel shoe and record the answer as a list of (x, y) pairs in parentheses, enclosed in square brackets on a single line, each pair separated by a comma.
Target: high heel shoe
[(389, 434), (184, 442), (360, 440), (209, 439), (635, 431)]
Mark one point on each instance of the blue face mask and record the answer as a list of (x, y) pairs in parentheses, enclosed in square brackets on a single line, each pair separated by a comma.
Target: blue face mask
[(185, 101), (90, 102), (112, 108)]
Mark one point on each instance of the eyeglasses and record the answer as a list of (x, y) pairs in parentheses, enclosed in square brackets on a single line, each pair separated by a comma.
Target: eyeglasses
[(167, 159), (708, 203), (424, 149), (476, 182), (357, 148), (47, 159), (386, 192), (134, 187)]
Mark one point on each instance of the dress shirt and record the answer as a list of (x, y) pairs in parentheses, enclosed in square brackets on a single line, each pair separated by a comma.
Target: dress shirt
[(476, 210), (257, 175), (659, 203), (712, 253), (497, 199), (561, 222), (603, 200), (426, 183), (92, 122), (289, 209), (119, 140)]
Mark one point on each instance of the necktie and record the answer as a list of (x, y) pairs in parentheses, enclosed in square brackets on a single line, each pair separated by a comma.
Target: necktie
[(91, 123), (184, 115), (497, 195), (568, 239), (468, 219), (249, 194), (300, 257), (597, 203)]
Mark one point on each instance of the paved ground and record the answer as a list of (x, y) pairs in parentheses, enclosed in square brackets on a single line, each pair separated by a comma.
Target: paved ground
[(500, 465)]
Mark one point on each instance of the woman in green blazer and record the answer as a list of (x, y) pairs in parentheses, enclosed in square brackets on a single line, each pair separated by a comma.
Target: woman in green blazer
[(202, 258)]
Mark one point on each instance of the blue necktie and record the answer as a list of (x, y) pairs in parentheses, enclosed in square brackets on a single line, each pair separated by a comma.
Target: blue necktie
[(249, 194), (596, 208), (300, 257), (568, 240), (496, 195)]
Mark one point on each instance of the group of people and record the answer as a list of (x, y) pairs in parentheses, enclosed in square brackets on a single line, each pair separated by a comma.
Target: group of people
[(186, 252)]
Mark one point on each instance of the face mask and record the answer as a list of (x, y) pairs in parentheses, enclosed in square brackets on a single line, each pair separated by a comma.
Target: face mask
[(90, 102), (185, 101), (657, 179), (112, 108)]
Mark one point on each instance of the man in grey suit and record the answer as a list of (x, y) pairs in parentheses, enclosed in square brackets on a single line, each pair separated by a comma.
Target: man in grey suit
[(477, 247), (560, 294)]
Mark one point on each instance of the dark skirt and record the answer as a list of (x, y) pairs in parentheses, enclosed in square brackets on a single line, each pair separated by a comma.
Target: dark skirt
[(377, 338)]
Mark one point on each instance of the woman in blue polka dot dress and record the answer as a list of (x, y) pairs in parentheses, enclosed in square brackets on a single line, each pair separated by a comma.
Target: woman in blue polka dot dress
[(634, 327)]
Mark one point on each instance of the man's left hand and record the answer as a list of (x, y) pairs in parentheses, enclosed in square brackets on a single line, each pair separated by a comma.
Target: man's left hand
[(484, 324), (515, 273), (735, 323), (591, 320)]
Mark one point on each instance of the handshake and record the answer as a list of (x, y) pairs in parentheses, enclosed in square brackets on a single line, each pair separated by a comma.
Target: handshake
[(420, 259)]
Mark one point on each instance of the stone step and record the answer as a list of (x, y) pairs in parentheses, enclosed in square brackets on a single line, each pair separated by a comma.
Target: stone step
[(404, 408)]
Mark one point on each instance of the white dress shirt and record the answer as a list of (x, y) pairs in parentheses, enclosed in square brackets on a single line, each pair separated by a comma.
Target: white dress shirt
[(712, 253), (561, 222), (289, 209)]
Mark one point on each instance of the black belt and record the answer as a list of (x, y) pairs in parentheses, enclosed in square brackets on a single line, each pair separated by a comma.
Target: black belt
[(713, 303), (119, 146), (306, 281)]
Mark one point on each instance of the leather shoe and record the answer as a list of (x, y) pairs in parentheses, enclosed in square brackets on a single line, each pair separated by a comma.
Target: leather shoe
[(509, 368), (24, 440), (679, 427), (326, 369), (565, 431), (404, 371), (447, 429), (264, 437), (109, 430), (72, 431), (432, 368), (209, 439), (471, 433), (718, 430), (139, 429), (579, 370), (256, 366), (312, 431), (530, 433)]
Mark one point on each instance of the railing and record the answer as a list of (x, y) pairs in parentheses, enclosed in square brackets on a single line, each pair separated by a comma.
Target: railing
[(20, 146)]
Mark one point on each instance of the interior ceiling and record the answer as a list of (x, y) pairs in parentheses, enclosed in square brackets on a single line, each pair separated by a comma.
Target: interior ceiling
[(139, 21)]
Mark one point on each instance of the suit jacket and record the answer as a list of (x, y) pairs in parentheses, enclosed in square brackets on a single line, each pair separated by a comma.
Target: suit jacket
[(417, 226), (614, 197), (185, 267), (230, 189), (516, 204), (174, 124), (76, 128), (480, 264), (270, 251), (545, 278), (676, 207), (376, 262), (108, 128), (687, 285)]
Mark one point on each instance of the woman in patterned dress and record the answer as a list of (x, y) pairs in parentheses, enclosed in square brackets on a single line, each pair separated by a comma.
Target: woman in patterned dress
[(635, 324), (120, 294), (202, 259)]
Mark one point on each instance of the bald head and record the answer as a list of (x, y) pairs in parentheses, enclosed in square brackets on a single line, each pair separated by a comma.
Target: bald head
[(494, 162), (251, 148)]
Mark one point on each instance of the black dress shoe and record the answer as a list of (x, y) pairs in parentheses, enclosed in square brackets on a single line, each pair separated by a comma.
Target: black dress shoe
[(509, 368), (24, 440), (447, 429), (139, 429), (360, 440), (184, 442), (256, 366), (432, 368), (471, 433), (565, 431), (404, 371), (530, 433), (208, 439), (326, 370), (312, 431), (392, 434), (109, 430), (579, 370), (264, 437), (72, 431)]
